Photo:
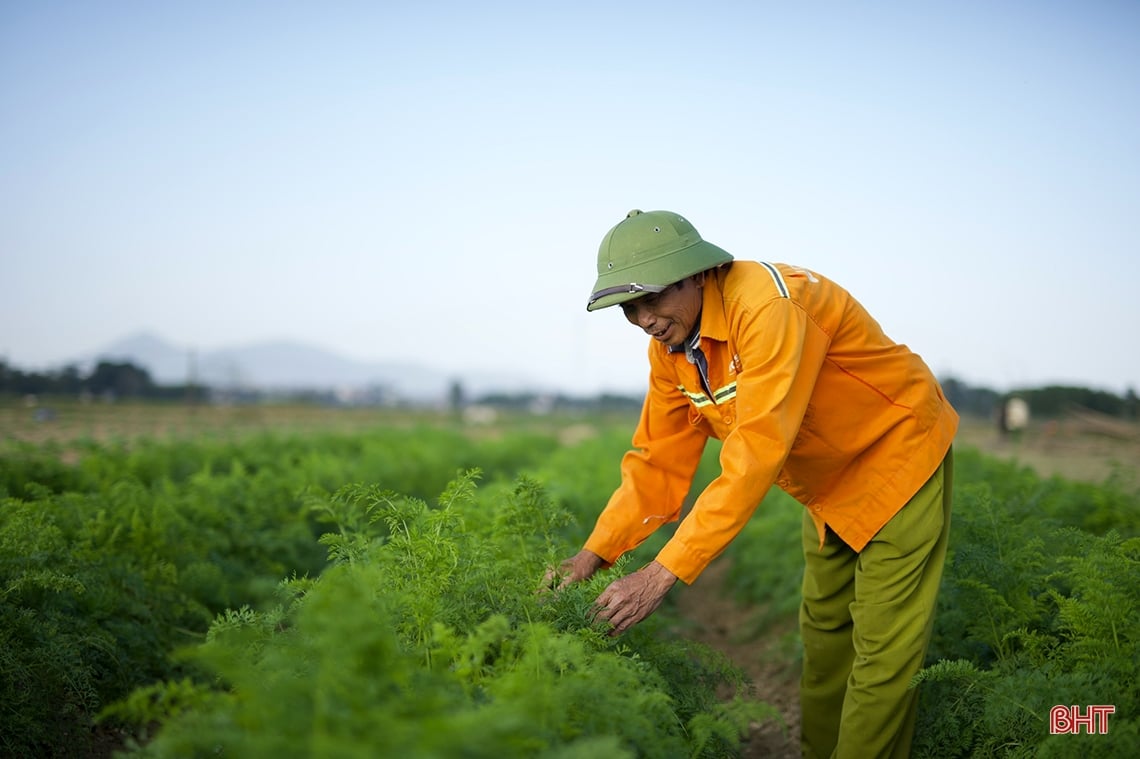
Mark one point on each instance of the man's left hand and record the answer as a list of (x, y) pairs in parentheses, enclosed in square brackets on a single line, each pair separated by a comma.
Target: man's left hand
[(634, 597)]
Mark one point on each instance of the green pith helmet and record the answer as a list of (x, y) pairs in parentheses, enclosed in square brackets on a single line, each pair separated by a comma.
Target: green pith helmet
[(647, 252)]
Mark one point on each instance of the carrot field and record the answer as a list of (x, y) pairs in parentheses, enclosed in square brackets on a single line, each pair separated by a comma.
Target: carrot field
[(307, 582)]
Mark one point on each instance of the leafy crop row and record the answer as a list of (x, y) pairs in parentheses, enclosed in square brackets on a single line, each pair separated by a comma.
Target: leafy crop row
[(427, 638), (1040, 607), (212, 596), (146, 583), (110, 563)]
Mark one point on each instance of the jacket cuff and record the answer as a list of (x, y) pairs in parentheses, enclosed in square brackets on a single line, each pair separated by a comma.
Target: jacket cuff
[(603, 548), (683, 561)]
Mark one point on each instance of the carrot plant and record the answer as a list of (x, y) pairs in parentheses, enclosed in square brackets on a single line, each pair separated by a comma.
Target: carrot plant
[(1040, 606), (114, 555), (429, 636)]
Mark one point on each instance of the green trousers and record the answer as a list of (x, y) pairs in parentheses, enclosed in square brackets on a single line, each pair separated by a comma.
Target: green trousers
[(865, 621)]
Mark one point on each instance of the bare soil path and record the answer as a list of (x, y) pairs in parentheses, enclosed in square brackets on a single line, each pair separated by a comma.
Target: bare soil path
[(711, 616)]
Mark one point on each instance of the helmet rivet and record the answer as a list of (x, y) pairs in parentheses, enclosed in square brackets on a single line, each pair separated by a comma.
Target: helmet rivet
[(657, 229), (611, 264)]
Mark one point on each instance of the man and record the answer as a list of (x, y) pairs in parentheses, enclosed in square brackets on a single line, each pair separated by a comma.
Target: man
[(806, 392)]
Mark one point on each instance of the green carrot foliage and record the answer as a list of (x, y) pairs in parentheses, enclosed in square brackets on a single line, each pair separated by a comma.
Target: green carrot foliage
[(433, 638)]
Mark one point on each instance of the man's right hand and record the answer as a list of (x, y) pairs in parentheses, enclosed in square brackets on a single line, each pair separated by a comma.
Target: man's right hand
[(580, 566)]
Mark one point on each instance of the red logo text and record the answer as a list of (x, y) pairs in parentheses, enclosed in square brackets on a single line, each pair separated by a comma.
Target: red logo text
[(1069, 720)]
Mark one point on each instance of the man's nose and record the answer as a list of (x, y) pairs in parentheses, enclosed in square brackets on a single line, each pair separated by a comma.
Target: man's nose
[(644, 317)]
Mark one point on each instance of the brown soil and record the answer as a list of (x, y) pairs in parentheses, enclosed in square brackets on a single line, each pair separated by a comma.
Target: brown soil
[(711, 616)]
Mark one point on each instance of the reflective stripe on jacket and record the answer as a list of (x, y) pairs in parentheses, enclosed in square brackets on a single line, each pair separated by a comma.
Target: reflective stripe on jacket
[(807, 393)]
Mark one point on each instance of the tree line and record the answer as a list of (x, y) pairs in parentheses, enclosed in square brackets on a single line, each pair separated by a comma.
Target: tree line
[(124, 379), (1045, 402), (1054, 400), (106, 379)]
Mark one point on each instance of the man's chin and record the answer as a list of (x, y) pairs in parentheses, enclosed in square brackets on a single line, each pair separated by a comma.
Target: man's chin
[(664, 337)]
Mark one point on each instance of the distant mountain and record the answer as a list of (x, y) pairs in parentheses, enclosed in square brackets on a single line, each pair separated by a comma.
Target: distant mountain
[(285, 365), (167, 363)]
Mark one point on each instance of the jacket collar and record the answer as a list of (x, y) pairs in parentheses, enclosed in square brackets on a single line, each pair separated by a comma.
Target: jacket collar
[(713, 322)]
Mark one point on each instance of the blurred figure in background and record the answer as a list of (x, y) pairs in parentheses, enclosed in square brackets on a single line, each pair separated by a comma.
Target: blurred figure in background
[(1013, 417)]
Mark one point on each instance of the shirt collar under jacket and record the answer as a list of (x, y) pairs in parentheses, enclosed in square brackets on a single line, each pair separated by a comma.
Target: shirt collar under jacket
[(691, 344)]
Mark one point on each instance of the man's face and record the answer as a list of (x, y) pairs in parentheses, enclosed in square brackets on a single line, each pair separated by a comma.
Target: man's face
[(667, 316)]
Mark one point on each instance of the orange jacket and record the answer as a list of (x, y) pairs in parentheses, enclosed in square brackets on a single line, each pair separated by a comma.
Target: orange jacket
[(808, 393)]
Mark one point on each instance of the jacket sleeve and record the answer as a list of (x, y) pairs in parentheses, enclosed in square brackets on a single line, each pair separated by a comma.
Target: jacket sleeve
[(781, 351), (657, 473)]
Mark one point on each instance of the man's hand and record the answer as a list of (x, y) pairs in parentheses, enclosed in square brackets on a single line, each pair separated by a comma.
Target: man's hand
[(634, 597), (580, 566)]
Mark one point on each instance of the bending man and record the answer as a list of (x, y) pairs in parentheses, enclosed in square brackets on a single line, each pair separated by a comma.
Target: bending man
[(806, 392)]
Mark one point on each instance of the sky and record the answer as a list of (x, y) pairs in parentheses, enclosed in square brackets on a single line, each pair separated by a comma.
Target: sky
[(428, 182)]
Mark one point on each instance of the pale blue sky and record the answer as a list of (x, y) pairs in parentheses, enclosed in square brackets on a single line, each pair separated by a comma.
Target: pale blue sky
[(428, 182)]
